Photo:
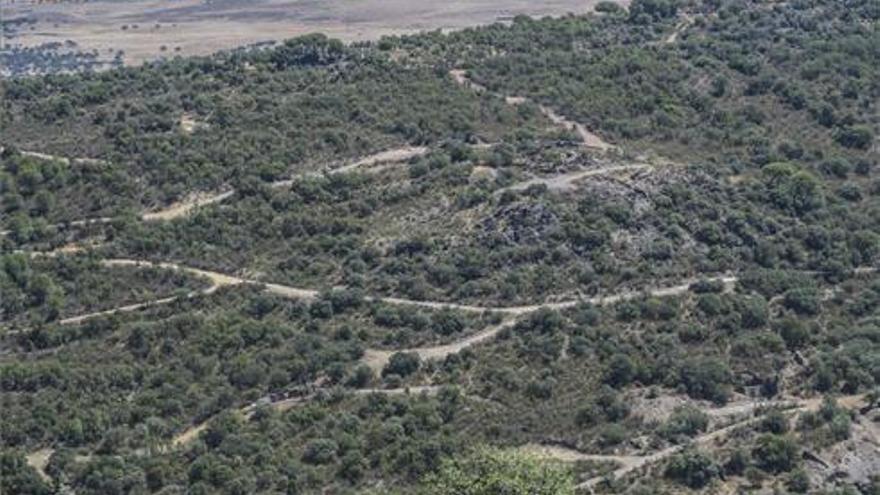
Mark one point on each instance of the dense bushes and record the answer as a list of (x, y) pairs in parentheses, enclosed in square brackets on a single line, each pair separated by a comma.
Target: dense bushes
[(692, 468), (774, 186), (488, 472)]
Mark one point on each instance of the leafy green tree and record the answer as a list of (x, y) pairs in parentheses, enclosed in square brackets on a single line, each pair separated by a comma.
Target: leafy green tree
[(705, 378), (798, 481), (792, 189), (16, 476), (320, 451), (621, 371), (402, 364), (685, 421), (642, 11), (804, 301), (607, 7), (793, 332), (776, 453), (775, 422), (859, 137), (692, 469)]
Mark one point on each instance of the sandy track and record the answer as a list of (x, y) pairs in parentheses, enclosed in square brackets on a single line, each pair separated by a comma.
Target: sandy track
[(391, 156), (564, 454), (217, 280), (630, 464), (75, 223), (589, 138), (377, 359), (221, 279), (187, 206), (567, 182), (39, 460), (247, 411), (685, 23), (62, 159), (122, 309), (373, 163)]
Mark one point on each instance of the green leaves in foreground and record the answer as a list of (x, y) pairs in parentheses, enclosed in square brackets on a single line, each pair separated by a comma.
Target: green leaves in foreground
[(489, 471)]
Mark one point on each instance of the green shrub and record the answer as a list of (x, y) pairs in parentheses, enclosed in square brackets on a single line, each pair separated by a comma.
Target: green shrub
[(692, 469), (685, 421), (705, 378), (489, 471), (776, 453), (320, 451), (402, 364)]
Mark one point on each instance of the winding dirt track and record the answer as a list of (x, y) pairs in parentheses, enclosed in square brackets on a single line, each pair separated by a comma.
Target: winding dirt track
[(686, 22), (567, 182), (377, 359), (187, 206), (183, 208), (221, 279), (64, 160), (629, 464), (589, 138), (193, 432), (374, 358)]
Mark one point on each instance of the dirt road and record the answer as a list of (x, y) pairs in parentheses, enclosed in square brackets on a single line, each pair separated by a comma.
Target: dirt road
[(378, 359), (629, 464), (686, 22), (587, 137), (193, 432), (568, 181), (64, 160), (185, 207)]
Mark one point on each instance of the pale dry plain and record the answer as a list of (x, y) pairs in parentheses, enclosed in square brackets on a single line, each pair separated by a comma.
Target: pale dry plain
[(199, 27)]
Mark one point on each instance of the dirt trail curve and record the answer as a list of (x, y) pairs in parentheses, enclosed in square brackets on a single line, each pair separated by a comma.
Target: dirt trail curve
[(39, 460), (380, 357), (188, 205), (377, 359), (686, 22), (567, 182), (629, 464), (589, 139), (247, 411), (221, 279), (373, 163), (62, 159)]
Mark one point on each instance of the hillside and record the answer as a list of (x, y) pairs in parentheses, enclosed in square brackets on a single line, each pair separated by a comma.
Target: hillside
[(633, 251)]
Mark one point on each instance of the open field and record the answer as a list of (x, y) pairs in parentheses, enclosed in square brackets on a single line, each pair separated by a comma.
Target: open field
[(149, 29)]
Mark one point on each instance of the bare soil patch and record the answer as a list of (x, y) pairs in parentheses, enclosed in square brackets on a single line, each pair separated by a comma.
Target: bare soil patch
[(152, 29)]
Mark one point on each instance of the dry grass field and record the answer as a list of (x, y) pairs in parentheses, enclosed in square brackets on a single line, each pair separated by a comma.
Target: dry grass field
[(149, 29)]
